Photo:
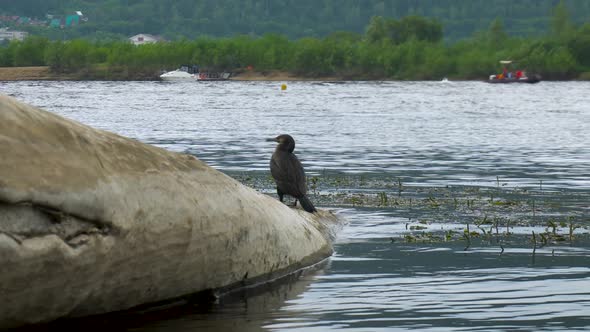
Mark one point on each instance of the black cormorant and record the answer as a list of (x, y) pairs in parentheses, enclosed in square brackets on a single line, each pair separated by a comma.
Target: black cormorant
[(288, 172)]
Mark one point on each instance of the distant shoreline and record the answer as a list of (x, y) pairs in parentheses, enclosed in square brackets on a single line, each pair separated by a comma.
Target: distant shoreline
[(40, 73), (24, 73), (43, 73)]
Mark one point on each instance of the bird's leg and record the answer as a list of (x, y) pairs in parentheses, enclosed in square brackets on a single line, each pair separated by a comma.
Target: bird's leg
[(280, 195), (294, 204)]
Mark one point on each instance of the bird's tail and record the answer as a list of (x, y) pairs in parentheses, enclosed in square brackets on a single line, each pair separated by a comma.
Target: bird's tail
[(307, 204)]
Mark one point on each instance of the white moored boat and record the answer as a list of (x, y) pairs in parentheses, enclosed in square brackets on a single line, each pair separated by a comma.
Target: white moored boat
[(188, 73), (181, 74)]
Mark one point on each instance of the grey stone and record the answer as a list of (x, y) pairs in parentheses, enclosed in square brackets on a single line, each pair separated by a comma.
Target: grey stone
[(92, 222)]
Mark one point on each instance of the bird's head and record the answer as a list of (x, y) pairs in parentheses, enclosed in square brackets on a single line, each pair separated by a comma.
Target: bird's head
[(286, 142)]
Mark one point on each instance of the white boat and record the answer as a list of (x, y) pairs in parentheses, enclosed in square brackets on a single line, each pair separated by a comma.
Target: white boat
[(177, 75), (192, 73)]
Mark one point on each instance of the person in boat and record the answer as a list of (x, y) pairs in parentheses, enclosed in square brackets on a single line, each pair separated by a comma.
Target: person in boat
[(518, 74)]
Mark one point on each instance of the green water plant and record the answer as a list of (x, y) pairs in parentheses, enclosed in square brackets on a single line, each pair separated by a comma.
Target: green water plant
[(382, 199)]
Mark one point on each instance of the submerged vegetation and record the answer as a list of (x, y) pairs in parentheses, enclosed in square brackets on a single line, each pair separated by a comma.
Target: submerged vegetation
[(500, 215), (408, 48)]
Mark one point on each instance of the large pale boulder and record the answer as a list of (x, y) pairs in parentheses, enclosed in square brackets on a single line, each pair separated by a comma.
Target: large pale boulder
[(92, 222)]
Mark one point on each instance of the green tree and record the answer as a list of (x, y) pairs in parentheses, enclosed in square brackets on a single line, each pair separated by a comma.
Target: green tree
[(561, 25), (496, 34), (76, 54), (7, 52), (54, 56), (415, 27), (400, 31), (580, 46), (30, 52), (377, 29)]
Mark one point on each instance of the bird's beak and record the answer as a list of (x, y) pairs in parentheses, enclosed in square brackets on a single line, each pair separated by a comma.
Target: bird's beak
[(274, 139)]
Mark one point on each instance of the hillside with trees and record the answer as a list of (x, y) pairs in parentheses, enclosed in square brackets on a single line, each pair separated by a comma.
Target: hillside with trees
[(409, 48), (190, 19), (406, 48)]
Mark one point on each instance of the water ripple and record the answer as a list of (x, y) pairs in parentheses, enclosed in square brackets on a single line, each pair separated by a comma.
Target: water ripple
[(439, 133), (429, 134)]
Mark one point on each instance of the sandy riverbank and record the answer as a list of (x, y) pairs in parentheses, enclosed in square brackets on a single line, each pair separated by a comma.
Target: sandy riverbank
[(43, 73), (24, 73), (40, 73), (277, 76)]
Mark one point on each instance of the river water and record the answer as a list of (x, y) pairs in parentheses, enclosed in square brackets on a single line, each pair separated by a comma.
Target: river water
[(441, 184)]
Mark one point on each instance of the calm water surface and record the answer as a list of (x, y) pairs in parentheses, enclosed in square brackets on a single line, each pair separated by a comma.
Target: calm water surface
[(428, 134)]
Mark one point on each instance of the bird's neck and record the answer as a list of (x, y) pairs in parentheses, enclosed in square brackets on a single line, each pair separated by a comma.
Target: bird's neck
[(285, 148), (281, 150)]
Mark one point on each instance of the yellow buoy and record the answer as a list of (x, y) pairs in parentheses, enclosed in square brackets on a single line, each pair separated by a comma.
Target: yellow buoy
[(284, 87)]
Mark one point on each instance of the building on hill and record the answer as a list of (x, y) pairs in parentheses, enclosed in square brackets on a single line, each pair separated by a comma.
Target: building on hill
[(7, 34), (144, 38)]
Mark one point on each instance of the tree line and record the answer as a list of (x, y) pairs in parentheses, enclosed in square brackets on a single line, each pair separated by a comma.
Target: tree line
[(190, 19), (408, 48)]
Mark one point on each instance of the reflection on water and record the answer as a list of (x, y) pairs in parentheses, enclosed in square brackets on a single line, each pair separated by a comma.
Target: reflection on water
[(433, 289), (430, 135)]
